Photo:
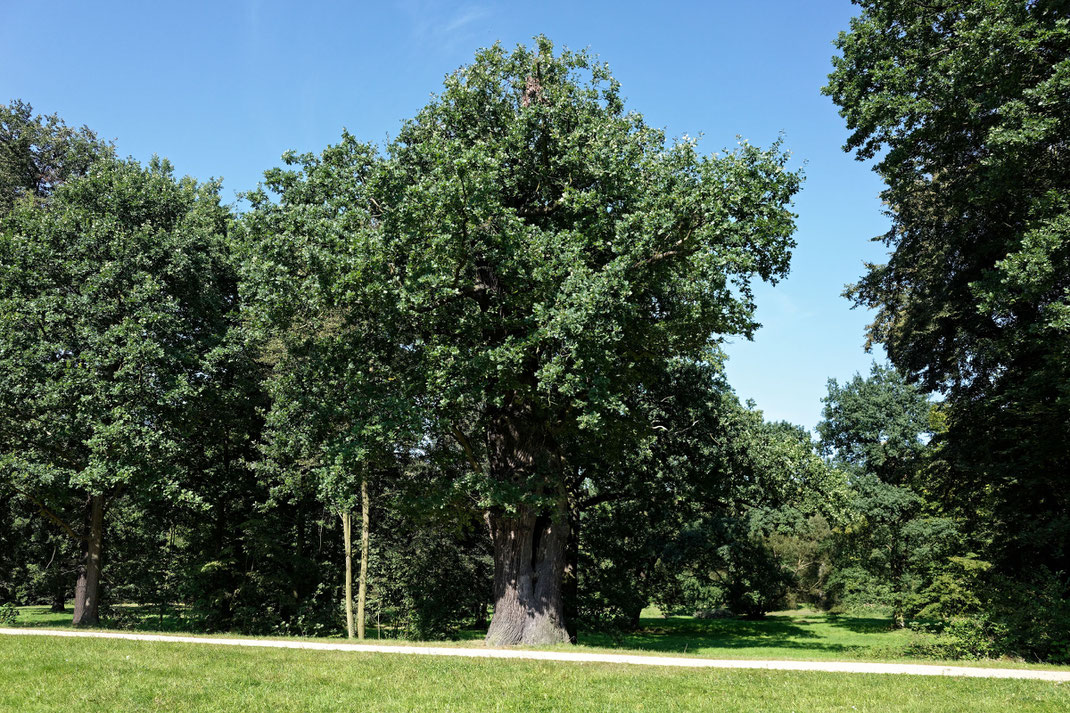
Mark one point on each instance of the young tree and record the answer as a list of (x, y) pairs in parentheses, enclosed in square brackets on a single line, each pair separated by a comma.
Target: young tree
[(537, 254), (875, 429), (337, 405), (113, 298)]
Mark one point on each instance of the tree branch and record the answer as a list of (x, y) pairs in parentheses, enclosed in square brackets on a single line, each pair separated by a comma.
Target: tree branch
[(44, 510), (458, 434)]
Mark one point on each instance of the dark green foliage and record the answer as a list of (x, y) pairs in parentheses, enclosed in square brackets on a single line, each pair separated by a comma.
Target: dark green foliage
[(428, 580), (38, 153), (719, 562), (875, 425), (959, 637), (1034, 612), (963, 103)]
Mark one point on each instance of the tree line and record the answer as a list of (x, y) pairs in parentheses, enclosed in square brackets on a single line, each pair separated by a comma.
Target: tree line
[(496, 338)]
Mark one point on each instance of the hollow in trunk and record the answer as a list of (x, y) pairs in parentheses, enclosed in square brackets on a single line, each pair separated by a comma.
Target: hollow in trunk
[(529, 569)]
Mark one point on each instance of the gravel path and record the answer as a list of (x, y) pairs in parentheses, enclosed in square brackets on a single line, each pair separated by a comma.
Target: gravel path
[(577, 657)]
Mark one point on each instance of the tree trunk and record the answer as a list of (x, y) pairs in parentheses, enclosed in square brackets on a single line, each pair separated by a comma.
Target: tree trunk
[(529, 569), (529, 545), (571, 577), (365, 536), (87, 591), (347, 538), (59, 602)]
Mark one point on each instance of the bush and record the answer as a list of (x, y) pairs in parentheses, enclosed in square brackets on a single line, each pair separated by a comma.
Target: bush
[(8, 614), (722, 566), (1034, 614), (969, 638), (956, 591)]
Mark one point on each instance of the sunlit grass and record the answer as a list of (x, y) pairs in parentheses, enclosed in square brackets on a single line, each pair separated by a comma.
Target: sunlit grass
[(39, 674)]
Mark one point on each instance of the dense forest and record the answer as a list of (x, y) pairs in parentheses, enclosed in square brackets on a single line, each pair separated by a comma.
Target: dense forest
[(473, 378)]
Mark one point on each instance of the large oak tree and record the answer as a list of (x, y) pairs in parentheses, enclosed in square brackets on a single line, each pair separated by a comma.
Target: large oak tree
[(537, 256)]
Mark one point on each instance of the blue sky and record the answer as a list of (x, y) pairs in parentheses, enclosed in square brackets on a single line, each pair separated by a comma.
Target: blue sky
[(223, 88)]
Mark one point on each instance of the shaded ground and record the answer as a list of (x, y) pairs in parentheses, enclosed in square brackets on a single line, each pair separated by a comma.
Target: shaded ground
[(794, 635), (799, 634)]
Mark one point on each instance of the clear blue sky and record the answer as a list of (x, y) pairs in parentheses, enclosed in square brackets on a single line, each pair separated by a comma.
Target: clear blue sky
[(223, 88)]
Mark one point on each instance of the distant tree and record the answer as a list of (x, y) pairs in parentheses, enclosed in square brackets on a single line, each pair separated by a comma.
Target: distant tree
[(114, 301), (37, 153), (875, 425), (892, 542)]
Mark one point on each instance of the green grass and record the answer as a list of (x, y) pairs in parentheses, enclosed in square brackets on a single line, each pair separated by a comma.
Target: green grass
[(39, 674), (783, 635)]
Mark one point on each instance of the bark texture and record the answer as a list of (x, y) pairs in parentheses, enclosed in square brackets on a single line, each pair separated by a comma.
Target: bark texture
[(365, 537), (87, 591), (529, 567), (530, 545), (347, 541)]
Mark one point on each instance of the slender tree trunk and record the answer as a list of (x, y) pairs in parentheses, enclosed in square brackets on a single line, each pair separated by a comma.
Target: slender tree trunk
[(529, 569), (365, 537), (347, 537), (481, 614), (87, 591), (59, 591), (571, 576)]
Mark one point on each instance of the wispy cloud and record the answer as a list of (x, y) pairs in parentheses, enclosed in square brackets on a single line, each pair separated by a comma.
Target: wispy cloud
[(446, 26), (464, 17)]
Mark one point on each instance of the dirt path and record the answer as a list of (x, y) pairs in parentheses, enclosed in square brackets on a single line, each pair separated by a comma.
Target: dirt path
[(576, 657)]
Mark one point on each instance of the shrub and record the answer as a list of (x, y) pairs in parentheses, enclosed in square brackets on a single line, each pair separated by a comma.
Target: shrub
[(1034, 614), (8, 614), (961, 637)]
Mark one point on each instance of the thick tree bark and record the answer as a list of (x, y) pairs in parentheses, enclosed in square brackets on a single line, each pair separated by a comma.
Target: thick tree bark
[(347, 539), (529, 569), (87, 591), (365, 537), (529, 545)]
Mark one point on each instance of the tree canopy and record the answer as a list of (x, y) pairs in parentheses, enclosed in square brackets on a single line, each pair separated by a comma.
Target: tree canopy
[(532, 256), (963, 105)]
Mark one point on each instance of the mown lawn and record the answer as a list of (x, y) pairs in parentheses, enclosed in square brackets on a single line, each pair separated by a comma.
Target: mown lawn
[(39, 674), (801, 635)]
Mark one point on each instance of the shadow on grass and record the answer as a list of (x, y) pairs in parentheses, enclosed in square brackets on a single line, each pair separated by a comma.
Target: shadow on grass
[(682, 634), (860, 625), (124, 617)]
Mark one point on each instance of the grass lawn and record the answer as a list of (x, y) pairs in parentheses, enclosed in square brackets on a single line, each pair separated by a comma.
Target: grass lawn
[(39, 674), (802, 635)]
